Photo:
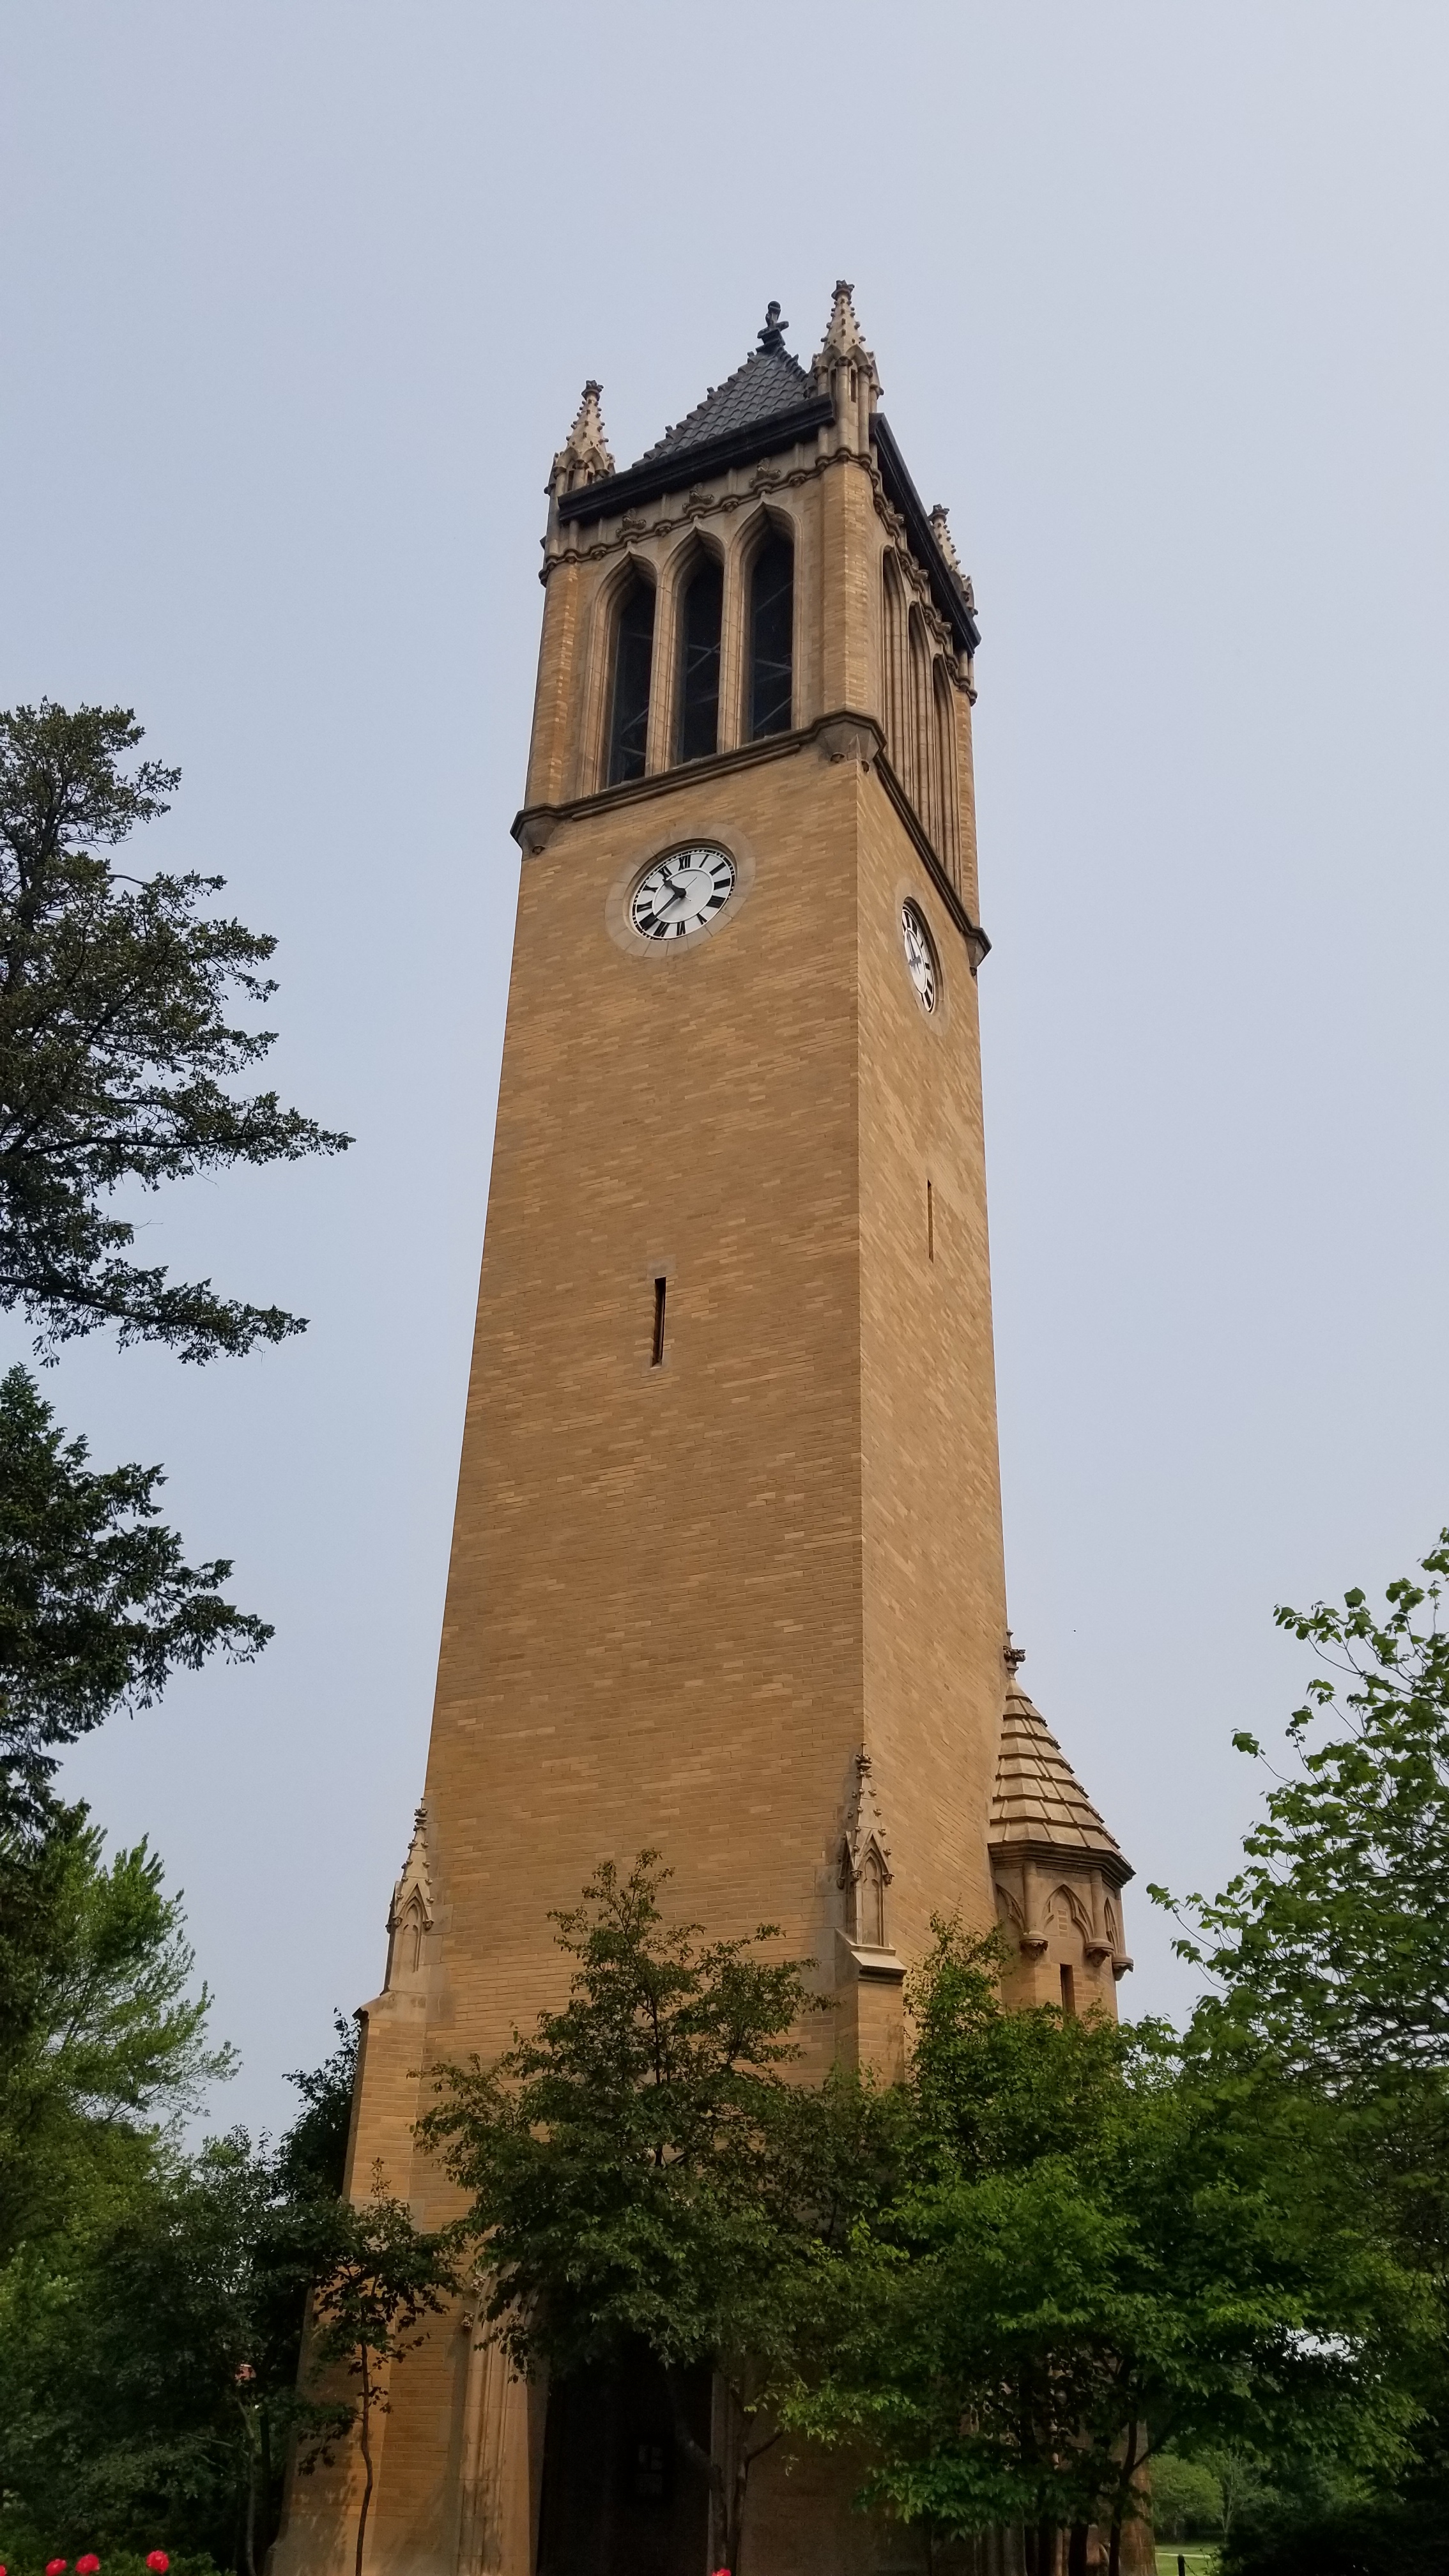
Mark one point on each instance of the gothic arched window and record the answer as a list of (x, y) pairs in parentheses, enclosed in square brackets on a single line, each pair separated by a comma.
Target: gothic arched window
[(893, 655), (633, 665), (699, 628), (948, 844), (771, 631)]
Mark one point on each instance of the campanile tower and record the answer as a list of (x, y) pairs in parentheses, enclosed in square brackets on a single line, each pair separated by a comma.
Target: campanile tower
[(726, 1575)]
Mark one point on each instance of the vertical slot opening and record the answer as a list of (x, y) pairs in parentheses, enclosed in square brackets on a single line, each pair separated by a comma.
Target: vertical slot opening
[(930, 1223), (1069, 1994), (657, 1349)]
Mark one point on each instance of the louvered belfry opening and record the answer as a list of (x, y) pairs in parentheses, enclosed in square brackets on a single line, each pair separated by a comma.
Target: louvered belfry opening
[(699, 648), (772, 629), (633, 669)]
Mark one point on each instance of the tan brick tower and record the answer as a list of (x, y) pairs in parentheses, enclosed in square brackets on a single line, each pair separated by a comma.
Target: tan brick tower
[(726, 1574)]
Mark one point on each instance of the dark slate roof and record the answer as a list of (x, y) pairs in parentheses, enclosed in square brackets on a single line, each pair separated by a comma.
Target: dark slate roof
[(770, 381)]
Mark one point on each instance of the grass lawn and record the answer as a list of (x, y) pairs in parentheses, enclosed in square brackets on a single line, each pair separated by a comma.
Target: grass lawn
[(1199, 2556)]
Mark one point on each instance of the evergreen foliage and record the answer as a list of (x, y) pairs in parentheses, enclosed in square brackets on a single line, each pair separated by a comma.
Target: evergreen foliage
[(115, 1045), (97, 1607)]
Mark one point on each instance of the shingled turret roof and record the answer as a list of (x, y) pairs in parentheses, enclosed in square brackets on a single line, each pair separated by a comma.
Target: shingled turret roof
[(770, 381), (1038, 1802)]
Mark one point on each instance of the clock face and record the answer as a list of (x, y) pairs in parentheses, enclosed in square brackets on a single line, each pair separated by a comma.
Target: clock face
[(920, 956), (683, 892)]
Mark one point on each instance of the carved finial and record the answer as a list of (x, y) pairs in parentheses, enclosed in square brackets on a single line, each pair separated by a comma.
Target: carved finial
[(842, 336), (773, 335), (864, 1825), (1013, 1656), (584, 456), (941, 531), (410, 1915), (416, 1880)]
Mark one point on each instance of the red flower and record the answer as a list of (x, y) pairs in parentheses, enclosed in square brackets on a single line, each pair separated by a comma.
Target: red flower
[(156, 2560), (88, 2566), (56, 2566)]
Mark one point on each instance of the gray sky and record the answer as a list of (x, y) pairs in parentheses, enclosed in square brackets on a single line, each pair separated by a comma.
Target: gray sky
[(297, 301)]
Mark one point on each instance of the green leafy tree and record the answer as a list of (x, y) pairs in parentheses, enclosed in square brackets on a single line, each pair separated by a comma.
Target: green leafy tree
[(116, 1050), (642, 2172), (102, 2037), (1091, 2255), (1328, 1963), (97, 1606), (149, 2351), (384, 2278), (1332, 1944)]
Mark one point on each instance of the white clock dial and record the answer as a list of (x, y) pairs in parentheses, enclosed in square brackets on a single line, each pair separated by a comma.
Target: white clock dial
[(920, 956), (683, 892)]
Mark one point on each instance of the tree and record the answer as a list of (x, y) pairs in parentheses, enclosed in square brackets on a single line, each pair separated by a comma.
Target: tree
[(115, 1047), (149, 2349), (1328, 1960), (641, 2171), (97, 1607), (384, 2276), (1332, 1945), (1091, 2255), (102, 2040)]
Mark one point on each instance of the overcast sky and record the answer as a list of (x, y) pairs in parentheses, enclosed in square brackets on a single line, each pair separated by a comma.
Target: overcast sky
[(298, 299)]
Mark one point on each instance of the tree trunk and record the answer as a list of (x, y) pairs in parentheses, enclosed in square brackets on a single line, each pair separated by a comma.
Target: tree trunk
[(1119, 2508), (251, 2535), (364, 2437)]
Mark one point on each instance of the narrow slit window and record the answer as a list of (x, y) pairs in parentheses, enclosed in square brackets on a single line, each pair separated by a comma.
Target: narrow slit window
[(1069, 1994), (772, 625), (930, 1223), (633, 667), (657, 1348), (699, 632)]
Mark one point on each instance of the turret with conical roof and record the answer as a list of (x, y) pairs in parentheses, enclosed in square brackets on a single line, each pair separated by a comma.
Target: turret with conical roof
[(1058, 1872)]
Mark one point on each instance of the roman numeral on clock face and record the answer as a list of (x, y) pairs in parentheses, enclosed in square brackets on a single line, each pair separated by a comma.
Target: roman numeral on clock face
[(682, 891)]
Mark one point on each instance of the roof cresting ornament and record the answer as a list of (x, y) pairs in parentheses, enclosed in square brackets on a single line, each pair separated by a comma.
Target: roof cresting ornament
[(773, 335)]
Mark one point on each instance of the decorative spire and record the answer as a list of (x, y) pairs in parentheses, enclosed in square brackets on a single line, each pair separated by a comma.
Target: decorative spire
[(584, 456), (773, 335), (843, 338), (415, 1887), (864, 1826)]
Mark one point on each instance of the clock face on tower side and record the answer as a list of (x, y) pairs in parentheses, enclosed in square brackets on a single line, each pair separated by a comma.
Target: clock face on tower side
[(683, 892), (920, 956)]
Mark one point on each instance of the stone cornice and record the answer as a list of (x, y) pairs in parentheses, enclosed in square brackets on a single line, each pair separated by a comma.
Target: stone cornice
[(1061, 1856), (836, 735)]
